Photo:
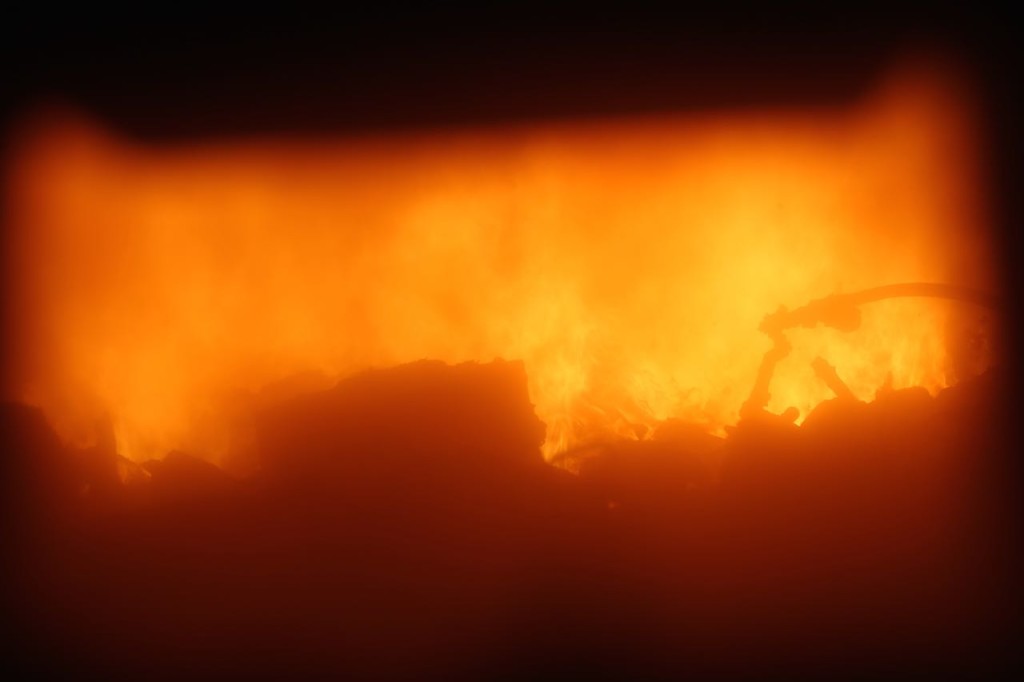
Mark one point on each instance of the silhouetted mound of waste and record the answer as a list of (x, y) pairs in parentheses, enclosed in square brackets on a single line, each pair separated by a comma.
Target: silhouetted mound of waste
[(402, 421), (404, 526), (868, 539), (37, 474), (872, 524)]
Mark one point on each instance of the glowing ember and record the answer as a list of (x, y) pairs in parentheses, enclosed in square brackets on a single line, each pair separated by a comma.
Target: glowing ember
[(628, 262)]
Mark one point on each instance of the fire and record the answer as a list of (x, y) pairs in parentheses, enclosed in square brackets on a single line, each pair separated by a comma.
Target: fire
[(627, 262)]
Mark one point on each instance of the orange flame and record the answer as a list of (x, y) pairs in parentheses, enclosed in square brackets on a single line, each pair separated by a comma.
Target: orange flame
[(627, 262)]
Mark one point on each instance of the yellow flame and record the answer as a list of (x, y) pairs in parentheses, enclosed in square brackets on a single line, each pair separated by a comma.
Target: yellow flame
[(627, 262)]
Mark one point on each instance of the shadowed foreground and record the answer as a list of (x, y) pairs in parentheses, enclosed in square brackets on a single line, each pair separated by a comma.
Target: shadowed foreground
[(403, 524)]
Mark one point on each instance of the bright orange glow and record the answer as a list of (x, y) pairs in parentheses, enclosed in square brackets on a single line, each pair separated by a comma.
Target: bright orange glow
[(628, 263)]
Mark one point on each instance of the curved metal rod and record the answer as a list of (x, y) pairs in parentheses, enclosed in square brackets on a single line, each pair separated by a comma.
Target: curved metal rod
[(841, 311)]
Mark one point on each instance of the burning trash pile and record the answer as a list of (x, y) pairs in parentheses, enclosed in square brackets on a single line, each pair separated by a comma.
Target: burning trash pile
[(404, 523), (493, 403), (159, 291)]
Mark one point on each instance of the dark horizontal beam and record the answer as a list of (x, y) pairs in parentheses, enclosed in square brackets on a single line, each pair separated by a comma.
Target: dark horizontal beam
[(186, 75)]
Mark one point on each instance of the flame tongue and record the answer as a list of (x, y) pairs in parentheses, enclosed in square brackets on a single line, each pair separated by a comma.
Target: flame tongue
[(626, 263)]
